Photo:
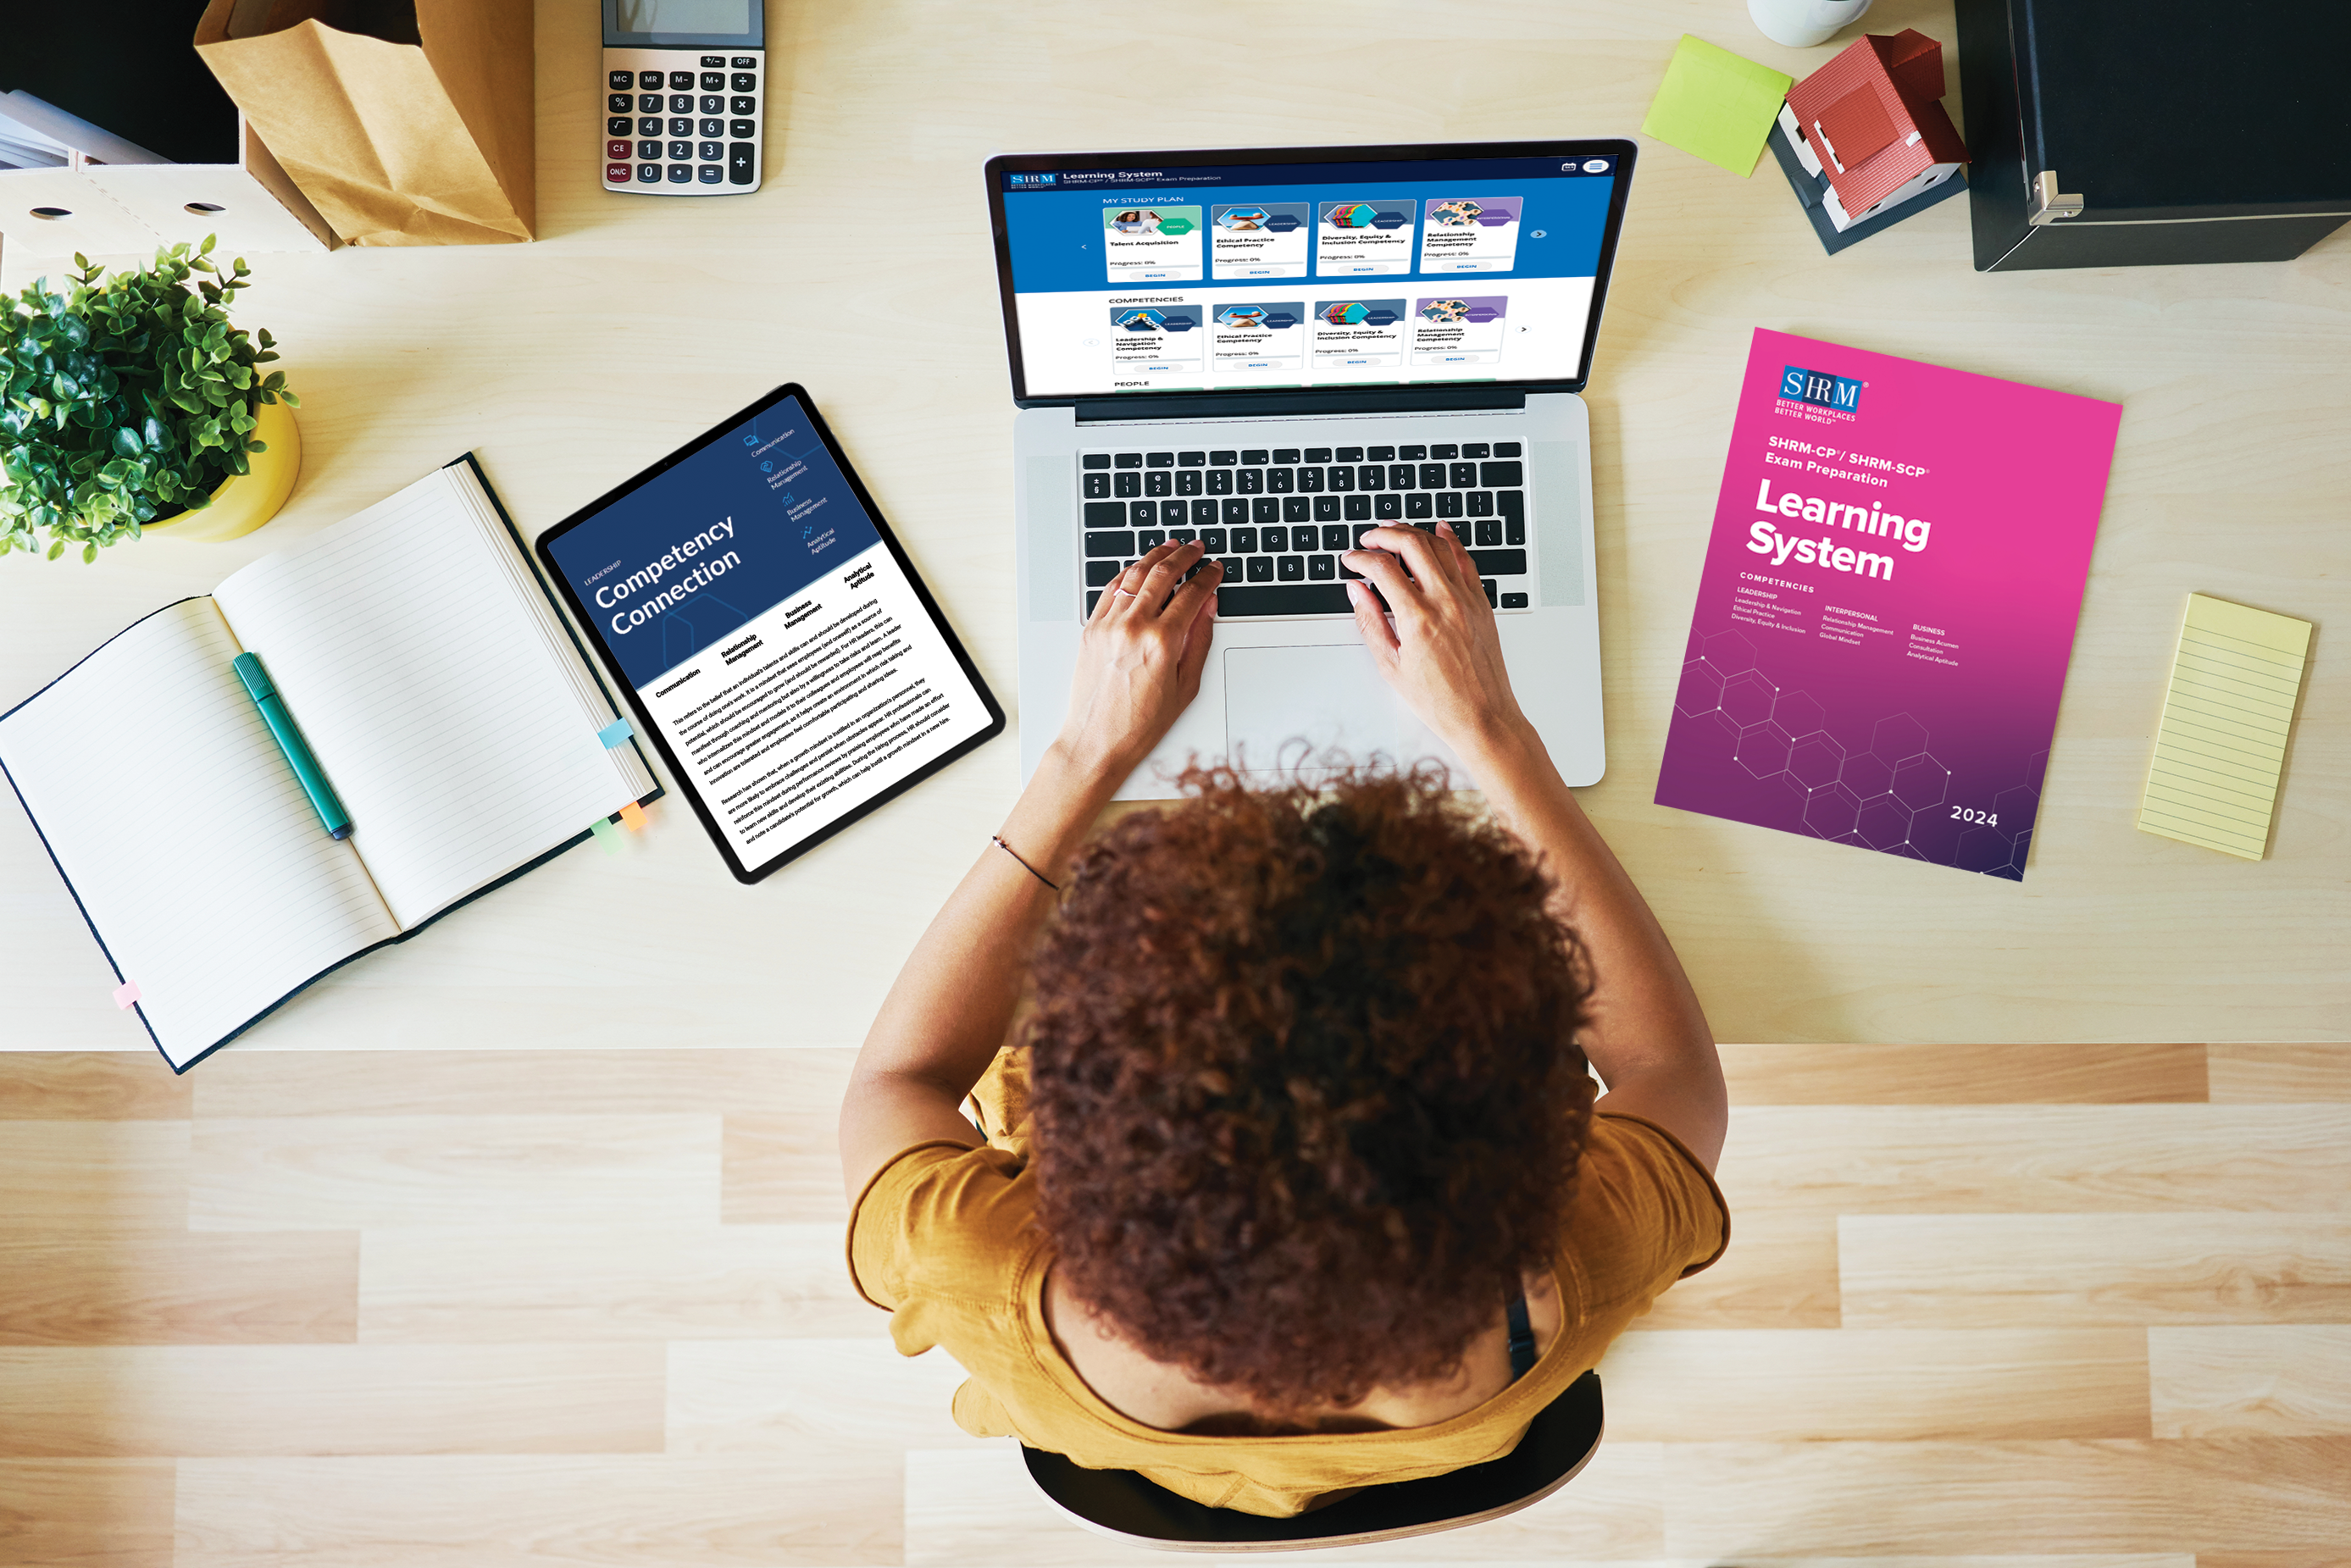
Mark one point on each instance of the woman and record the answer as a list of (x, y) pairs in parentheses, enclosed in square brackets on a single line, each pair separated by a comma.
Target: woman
[(1313, 1153)]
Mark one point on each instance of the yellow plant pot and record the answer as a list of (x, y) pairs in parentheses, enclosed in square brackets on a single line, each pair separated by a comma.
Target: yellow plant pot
[(243, 502)]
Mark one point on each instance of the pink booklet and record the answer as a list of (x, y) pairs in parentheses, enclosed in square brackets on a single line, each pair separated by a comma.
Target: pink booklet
[(1887, 605)]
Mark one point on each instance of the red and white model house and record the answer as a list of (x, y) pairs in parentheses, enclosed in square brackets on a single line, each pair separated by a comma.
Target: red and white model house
[(1871, 122)]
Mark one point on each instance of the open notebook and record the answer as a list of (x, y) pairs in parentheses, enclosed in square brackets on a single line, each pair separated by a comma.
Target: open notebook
[(441, 692)]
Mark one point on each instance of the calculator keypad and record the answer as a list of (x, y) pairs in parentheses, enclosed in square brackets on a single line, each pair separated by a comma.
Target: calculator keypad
[(683, 132)]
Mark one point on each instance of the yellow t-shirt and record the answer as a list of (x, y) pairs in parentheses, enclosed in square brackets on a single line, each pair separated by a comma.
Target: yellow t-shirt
[(944, 1238)]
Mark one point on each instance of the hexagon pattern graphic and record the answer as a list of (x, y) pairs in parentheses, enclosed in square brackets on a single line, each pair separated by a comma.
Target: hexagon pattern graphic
[(1868, 775), (1815, 761), (1922, 782), (1746, 698), (1873, 798), (1702, 688), (1798, 714), (1763, 750), (1830, 812)]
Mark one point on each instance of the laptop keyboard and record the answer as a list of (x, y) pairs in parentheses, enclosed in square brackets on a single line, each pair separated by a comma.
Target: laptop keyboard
[(1280, 518)]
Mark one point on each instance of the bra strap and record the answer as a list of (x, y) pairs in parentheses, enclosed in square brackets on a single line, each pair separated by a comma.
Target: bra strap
[(1523, 1338)]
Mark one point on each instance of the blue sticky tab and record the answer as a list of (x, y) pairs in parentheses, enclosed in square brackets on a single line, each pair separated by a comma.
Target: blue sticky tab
[(614, 733), (606, 834)]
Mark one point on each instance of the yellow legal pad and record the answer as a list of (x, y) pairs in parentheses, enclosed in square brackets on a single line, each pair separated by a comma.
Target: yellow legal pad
[(2225, 720)]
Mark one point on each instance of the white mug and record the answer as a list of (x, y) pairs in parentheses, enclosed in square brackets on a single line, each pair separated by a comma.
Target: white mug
[(1801, 24)]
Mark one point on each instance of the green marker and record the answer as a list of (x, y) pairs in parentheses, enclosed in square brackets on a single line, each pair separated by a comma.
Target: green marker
[(331, 815)]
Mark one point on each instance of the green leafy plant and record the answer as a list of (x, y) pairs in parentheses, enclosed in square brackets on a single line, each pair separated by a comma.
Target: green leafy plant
[(128, 398)]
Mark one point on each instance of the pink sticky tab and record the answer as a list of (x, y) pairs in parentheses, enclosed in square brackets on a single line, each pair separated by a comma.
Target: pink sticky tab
[(634, 815), (126, 993)]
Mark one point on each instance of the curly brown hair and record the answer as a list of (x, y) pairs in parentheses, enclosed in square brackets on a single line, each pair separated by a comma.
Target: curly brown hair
[(1304, 1074)]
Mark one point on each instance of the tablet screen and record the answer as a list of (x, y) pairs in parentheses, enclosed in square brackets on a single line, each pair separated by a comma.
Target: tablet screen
[(794, 671)]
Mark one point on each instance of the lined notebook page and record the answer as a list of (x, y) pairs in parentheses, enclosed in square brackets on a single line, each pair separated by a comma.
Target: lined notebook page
[(2214, 779), (180, 825), (426, 686), (595, 708)]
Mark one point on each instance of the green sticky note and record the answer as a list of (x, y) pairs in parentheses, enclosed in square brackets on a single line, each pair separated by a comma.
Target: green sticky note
[(1716, 105), (606, 834)]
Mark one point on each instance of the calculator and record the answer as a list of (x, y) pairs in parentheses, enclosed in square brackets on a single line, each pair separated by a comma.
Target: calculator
[(685, 96)]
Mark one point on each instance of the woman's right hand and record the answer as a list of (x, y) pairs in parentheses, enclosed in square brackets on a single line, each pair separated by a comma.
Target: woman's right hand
[(1140, 658), (1436, 643)]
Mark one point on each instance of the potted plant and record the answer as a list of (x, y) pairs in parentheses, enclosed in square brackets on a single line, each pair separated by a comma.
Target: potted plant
[(130, 402)]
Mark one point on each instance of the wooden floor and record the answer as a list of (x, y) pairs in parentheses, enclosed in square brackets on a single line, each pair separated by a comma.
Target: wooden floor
[(2057, 1307)]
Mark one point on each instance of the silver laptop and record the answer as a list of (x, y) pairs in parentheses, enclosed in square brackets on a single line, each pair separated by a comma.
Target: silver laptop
[(1272, 351)]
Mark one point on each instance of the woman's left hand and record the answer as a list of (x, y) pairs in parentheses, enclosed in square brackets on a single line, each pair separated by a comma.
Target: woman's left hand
[(1139, 663)]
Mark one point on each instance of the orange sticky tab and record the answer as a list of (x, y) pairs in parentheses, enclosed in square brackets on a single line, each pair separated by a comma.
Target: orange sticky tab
[(634, 815), (126, 994)]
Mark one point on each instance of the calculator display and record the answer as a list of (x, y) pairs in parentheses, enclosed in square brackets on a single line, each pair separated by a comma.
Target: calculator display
[(642, 23)]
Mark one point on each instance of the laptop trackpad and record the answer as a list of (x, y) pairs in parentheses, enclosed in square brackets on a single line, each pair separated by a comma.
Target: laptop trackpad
[(1327, 697)]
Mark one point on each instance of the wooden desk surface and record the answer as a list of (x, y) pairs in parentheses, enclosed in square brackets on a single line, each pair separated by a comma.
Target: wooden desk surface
[(862, 269)]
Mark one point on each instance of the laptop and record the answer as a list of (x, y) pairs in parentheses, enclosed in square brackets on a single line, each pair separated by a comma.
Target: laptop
[(1272, 350)]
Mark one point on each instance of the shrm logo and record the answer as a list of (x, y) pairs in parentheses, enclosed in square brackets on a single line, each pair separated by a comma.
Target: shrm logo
[(1030, 179), (1822, 388)]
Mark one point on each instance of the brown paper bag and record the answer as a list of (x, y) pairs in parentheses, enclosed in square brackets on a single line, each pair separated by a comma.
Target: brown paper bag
[(405, 121)]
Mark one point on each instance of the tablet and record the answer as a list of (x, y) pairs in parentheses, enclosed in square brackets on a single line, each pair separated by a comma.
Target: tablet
[(774, 644)]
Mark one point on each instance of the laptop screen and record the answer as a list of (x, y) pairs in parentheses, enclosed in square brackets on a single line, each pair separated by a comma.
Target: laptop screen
[(1385, 269)]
